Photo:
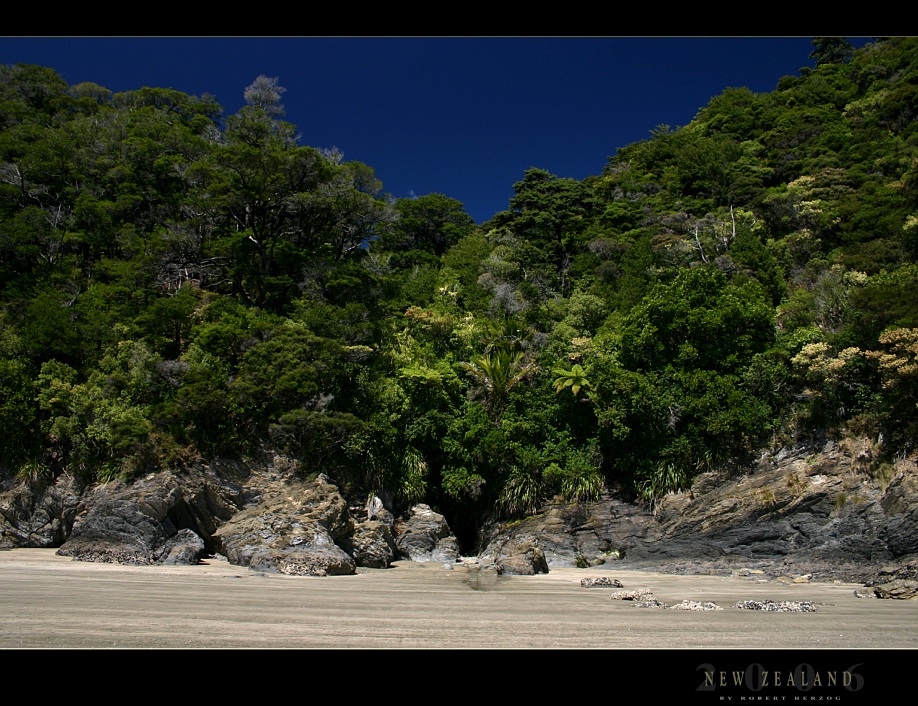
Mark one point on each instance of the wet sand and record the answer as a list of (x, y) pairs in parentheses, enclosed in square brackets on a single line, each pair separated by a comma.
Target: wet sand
[(53, 602)]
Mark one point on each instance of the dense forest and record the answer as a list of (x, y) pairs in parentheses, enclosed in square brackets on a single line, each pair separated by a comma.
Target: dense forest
[(177, 285)]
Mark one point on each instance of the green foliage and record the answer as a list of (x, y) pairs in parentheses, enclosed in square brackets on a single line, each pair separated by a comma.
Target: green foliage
[(580, 478), (575, 379), (496, 372), (431, 223), (665, 477), (831, 50), (698, 321), (18, 413), (98, 429), (523, 492), (317, 435), (49, 330), (291, 369), (671, 391), (176, 285), (885, 300), (203, 411), (549, 214)]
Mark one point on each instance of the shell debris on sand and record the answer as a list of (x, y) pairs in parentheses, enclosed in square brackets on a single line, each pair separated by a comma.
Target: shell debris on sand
[(778, 606)]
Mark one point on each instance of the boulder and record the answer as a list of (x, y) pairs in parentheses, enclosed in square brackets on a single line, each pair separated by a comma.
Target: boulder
[(902, 589), (424, 536), (185, 548), (897, 582), (140, 522), (293, 528), (372, 545), (37, 513), (317, 555), (518, 556)]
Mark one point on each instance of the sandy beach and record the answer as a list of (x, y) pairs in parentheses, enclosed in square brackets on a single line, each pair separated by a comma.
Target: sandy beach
[(53, 602)]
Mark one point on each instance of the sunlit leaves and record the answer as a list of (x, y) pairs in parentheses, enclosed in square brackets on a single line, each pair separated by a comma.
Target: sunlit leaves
[(575, 379), (497, 372)]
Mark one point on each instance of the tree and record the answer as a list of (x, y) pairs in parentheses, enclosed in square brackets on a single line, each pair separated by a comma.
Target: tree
[(18, 413), (432, 223), (550, 214), (831, 50), (668, 388), (264, 93), (282, 214), (700, 320)]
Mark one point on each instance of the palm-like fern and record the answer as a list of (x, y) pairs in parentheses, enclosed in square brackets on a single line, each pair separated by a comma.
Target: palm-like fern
[(575, 378), (497, 372)]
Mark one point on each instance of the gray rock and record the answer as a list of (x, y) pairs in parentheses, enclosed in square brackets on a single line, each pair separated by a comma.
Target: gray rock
[(865, 593), (446, 551), (801, 505), (896, 582), (517, 556), (37, 514), (581, 534), (798, 511), (320, 557), (425, 536), (185, 548), (695, 605), (900, 505), (901, 589), (642, 594), (372, 545), (293, 528), (139, 523)]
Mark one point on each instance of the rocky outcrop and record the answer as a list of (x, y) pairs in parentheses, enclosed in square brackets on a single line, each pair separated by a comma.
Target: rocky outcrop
[(580, 534), (307, 528), (900, 506), (791, 504), (900, 582), (801, 511), (372, 545), (795, 511), (517, 556), (163, 518), (293, 528), (262, 514), (36, 514)]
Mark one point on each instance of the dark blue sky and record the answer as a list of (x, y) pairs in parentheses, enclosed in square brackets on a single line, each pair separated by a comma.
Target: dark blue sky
[(459, 116)]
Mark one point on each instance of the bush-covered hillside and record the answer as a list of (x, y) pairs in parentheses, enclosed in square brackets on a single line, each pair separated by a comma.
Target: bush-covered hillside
[(178, 285)]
